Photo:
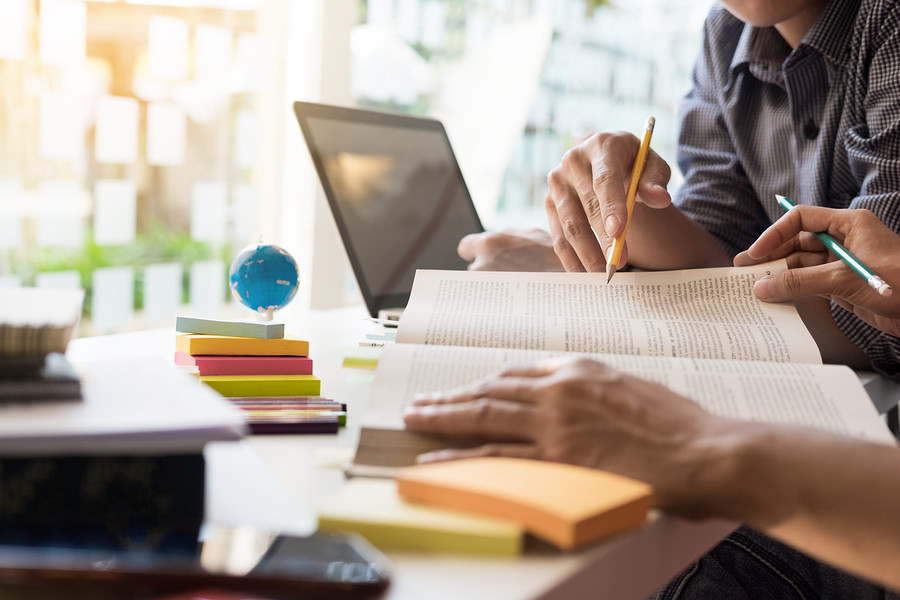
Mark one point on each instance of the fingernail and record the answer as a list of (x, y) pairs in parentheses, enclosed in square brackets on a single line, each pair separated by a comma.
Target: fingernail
[(414, 411), (764, 288), (435, 456), (428, 457), (612, 224)]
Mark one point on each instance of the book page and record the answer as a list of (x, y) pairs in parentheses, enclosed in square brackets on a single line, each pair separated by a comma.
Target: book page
[(698, 313), (828, 397)]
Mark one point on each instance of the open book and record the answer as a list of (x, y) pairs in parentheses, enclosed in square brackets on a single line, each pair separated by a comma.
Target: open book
[(700, 332)]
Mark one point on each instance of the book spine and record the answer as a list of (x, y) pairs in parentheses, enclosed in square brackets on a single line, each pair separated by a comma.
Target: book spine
[(118, 502)]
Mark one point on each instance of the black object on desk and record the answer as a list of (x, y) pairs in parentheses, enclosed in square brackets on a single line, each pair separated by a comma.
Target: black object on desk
[(321, 566), (26, 380), (396, 192)]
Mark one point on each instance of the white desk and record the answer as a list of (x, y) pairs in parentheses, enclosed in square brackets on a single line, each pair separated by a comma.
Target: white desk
[(629, 566)]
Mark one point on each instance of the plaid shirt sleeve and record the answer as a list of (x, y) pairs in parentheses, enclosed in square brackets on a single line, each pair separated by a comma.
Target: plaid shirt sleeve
[(732, 164), (872, 146), (716, 193)]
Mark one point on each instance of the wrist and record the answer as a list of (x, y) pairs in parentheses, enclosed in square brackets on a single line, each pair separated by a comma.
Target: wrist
[(723, 473), (744, 478)]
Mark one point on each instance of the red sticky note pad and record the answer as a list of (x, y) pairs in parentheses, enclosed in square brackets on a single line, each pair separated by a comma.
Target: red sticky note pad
[(247, 365)]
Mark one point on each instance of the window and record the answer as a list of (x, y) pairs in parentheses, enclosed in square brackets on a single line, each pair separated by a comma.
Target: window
[(143, 143), (518, 82), (131, 140)]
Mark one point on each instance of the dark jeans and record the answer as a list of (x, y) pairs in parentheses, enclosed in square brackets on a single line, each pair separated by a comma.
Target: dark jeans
[(749, 566)]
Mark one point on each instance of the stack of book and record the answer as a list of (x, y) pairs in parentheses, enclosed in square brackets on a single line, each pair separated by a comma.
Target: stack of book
[(123, 468), (103, 454), (35, 328), (263, 371)]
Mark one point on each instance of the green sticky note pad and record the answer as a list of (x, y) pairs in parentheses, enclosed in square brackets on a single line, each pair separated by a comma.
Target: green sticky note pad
[(264, 330)]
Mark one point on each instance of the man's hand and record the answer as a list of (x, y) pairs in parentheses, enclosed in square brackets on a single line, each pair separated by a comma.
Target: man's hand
[(817, 272), (585, 203), (509, 250), (583, 412)]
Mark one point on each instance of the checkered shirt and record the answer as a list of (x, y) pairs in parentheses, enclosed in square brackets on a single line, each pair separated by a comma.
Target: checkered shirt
[(819, 124)]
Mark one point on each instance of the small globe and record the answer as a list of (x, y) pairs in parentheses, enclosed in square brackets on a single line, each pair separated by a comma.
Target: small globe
[(264, 278)]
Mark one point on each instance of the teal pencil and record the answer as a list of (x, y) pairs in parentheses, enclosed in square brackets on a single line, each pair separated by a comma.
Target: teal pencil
[(845, 255)]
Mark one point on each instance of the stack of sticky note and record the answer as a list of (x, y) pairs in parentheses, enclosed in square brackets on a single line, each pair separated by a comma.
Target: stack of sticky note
[(372, 508), (266, 373), (568, 506)]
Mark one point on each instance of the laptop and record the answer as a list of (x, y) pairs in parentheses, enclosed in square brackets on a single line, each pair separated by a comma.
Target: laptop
[(396, 192)]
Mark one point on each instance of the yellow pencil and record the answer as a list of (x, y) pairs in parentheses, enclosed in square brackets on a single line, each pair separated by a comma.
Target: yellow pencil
[(615, 254)]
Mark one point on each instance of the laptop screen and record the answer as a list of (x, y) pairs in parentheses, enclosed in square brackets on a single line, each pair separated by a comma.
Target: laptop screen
[(396, 193)]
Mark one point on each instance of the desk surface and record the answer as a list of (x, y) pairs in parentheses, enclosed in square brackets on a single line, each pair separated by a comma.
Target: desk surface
[(307, 467)]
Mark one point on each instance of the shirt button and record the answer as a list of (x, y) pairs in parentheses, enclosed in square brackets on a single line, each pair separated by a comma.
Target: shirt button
[(810, 130)]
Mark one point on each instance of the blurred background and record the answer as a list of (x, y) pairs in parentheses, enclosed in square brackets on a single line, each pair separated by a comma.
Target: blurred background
[(143, 144)]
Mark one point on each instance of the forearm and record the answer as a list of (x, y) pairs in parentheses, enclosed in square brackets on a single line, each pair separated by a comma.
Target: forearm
[(832, 497), (666, 238)]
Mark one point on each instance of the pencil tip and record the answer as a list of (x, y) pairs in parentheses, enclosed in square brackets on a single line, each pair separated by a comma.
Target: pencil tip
[(610, 271)]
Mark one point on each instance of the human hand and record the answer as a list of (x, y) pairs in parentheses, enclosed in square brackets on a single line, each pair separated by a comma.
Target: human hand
[(582, 412), (814, 271), (585, 202), (509, 250)]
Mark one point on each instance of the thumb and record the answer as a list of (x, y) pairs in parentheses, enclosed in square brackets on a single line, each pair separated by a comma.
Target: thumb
[(796, 283), (466, 247)]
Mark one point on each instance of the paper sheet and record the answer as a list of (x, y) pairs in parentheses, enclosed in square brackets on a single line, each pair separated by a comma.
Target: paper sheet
[(11, 208), (698, 313), (162, 292), (62, 209), (828, 397), (115, 211), (213, 55), (116, 136), (62, 32), (208, 286), (13, 29), (166, 134), (61, 132), (208, 211), (113, 298), (168, 41)]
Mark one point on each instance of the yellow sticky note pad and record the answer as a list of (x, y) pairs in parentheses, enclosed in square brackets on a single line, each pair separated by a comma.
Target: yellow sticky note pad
[(372, 508)]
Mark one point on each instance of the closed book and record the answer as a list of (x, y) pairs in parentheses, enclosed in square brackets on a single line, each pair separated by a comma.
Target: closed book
[(128, 407), (136, 502), (194, 344), (372, 508), (246, 365), (54, 380), (263, 385), (264, 330), (566, 505)]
